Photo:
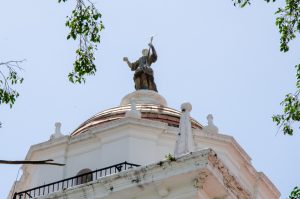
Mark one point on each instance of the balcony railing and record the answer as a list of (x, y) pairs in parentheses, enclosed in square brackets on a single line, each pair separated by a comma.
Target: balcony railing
[(73, 181)]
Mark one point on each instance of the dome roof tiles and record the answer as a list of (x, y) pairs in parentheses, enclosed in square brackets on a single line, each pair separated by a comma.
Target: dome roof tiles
[(148, 111)]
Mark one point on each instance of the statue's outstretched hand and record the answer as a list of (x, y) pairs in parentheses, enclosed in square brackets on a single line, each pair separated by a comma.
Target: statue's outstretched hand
[(125, 59), (150, 45)]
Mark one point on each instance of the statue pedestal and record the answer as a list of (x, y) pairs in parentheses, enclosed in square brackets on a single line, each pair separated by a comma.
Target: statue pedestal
[(144, 97)]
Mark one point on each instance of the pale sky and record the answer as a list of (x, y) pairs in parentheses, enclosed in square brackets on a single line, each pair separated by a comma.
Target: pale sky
[(224, 60)]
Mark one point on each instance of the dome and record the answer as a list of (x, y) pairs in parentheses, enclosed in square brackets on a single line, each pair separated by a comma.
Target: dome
[(148, 111), (151, 105)]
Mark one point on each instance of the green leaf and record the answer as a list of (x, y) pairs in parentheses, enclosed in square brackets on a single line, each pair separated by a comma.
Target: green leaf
[(85, 26)]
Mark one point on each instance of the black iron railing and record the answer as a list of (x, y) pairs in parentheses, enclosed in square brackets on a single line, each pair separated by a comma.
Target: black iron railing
[(73, 181)]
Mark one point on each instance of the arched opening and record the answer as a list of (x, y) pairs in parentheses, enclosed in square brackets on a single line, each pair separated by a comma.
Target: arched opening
[(84, 176)]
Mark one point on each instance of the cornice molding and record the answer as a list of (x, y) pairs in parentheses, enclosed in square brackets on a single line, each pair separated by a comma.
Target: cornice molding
[(229, 181)]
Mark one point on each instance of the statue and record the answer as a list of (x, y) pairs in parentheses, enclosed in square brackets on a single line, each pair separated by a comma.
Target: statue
[(143, 76)]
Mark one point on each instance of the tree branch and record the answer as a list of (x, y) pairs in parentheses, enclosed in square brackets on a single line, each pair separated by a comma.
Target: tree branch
[(48, 162), (8, 77)]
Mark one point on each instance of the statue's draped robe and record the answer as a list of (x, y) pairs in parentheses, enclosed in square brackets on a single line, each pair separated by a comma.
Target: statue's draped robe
[(143, 76)]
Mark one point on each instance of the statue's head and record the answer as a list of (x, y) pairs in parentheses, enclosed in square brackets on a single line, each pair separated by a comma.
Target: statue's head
[(145, 52)]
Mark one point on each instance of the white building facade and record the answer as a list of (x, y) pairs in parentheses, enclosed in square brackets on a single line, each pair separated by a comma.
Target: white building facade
[(121, 153)]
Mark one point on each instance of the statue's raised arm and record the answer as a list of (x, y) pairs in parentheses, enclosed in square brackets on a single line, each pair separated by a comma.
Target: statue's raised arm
[(153, 56), (143, 76)]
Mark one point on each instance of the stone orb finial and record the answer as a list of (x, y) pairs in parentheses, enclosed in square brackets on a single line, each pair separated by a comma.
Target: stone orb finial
[(186, 107), (133, 105), (210, 119), (57, 133), (57, 127), (133, 112), (211, 127), (184, 142)]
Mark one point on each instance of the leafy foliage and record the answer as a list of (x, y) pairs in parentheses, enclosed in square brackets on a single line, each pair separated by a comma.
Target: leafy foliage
[(8, 78), (85, 25), (295, 194), (243, 3), (291, 109), (288, 23)]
